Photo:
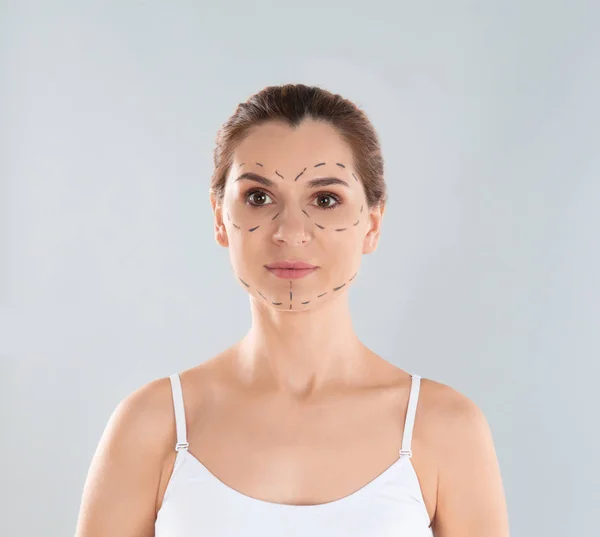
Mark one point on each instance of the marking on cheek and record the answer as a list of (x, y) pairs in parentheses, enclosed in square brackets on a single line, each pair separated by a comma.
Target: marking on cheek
[(361, 209), (229, 217), (356, 224), (235, 225), (279, 174), (356, 178), (275, 216), (338, 288), (253, 229), (305, 213), (241, 164), (259, 164), (319, 226), (319, 296), (308, 302), (243, 282), (320, 164), (342, 229), (298, 176), (340, 165)]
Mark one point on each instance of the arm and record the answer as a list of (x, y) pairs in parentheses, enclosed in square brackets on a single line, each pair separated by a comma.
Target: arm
[(471, 501), (121, 487)]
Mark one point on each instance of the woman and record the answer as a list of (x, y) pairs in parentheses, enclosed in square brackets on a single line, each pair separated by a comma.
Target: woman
[(299, 428)]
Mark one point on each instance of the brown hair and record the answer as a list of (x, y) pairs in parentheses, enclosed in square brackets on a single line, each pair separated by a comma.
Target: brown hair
[(292, 103)]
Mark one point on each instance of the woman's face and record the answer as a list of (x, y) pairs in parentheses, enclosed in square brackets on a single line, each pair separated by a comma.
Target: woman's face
[(294, 195)]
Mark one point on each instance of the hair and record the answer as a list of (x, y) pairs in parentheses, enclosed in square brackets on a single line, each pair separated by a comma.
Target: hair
[(291, 104)]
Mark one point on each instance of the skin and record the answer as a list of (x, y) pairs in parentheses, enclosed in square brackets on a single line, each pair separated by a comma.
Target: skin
[(299, 411)]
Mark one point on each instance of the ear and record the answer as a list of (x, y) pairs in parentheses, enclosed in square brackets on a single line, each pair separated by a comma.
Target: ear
[(372, 237), (220, 230)]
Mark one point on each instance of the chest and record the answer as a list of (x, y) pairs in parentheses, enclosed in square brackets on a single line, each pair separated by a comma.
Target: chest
[(307, 454)]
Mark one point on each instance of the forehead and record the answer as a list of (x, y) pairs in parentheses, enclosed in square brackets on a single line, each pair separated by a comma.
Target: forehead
[(276, 144)]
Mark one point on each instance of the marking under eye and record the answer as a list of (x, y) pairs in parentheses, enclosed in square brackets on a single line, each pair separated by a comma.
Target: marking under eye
[(305, 213), (275, 216)]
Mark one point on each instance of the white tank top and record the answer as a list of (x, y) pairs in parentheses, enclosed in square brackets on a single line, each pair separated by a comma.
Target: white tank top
[(197, 503)]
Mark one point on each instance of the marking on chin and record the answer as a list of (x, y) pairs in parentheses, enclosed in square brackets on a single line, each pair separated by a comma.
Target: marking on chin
[(338, 288), (243, 282)]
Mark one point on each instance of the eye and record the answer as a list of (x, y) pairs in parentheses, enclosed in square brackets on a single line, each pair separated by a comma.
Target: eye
[(250, 194), (325, 195)]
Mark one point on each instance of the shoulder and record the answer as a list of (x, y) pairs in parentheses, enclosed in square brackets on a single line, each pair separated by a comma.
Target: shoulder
[(470, 494), (449, 413)]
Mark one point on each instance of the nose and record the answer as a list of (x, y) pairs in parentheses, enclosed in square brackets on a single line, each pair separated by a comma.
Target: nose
[(292, 226)]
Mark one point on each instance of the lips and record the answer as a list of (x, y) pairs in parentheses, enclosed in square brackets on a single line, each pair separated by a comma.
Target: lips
[(291, 265)]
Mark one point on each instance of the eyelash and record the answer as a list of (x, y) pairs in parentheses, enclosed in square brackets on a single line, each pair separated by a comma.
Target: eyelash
[(338, 200)]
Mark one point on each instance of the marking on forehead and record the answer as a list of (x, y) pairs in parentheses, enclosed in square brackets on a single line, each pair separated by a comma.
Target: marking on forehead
[(300, 174), (277, 303), (340, 165), (320, 164), (253, 229), (356, 223), (259, 164), (319, 296), (342, 229), (279, 174), (307, 302), (238, 227)]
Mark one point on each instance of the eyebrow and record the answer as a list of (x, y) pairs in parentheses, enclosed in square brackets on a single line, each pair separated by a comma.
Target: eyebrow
[(325, 181)]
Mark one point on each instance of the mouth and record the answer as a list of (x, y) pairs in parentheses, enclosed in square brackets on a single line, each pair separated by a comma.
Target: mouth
[(291, 269), (291, 274)]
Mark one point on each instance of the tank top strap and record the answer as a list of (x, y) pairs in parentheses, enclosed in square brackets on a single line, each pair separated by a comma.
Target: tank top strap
[(410, 416), (179, 412)]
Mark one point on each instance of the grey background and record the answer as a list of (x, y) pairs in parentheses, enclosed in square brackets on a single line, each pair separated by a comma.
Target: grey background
[(486, 277)]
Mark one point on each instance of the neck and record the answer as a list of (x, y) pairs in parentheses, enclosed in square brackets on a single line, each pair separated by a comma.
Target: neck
[(302, 353)]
